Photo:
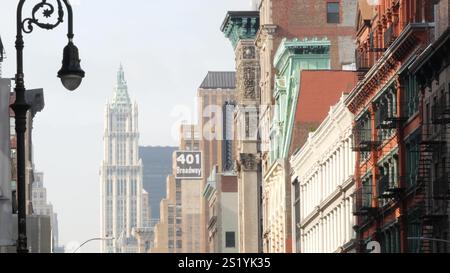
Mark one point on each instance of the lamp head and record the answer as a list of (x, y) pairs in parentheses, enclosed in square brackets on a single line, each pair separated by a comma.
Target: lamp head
[(71, 73)]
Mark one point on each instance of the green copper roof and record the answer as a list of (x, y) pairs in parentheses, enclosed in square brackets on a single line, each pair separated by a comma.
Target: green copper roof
[(121, 96), (313, 47), (292, 57), (240, 25)]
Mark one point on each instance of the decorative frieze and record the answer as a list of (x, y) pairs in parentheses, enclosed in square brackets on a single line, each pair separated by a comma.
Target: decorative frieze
[(248, 83)]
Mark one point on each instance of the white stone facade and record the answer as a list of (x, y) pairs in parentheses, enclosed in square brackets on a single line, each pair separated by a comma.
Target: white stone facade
[(323, 185), (121, 173), (274, 210)]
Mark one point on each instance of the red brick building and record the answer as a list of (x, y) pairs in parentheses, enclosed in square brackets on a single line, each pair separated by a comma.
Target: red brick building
[(290, 19), (390, 35)]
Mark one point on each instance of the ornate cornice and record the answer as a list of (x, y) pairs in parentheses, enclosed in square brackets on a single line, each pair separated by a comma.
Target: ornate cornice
[(239, 25), (433, 60), (385, 67), (295, 46)]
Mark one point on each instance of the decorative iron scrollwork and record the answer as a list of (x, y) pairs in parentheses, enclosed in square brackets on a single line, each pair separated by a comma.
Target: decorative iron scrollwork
[(48, 10)]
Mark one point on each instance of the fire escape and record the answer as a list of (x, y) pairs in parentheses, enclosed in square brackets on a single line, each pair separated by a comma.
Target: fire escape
[(363, 206), (432, 191), (387, 184), (387, 124)]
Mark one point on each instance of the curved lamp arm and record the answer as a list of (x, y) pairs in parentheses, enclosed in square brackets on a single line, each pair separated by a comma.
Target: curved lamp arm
[(70, 16), (71, 73), (93, 239)]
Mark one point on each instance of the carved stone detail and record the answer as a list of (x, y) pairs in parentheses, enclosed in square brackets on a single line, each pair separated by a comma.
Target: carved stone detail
[(249, 162), (248, 52), (248, 83)]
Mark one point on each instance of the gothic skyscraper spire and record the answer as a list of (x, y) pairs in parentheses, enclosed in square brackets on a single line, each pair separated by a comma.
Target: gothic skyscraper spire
[(121, 90), (121, 173)]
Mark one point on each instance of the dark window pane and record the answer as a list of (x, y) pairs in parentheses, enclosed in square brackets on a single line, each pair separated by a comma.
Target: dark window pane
[(230, 239), (333, 13), (333, 7)]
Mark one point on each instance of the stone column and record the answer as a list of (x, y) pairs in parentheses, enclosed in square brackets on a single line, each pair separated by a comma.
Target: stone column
[(241, 29)]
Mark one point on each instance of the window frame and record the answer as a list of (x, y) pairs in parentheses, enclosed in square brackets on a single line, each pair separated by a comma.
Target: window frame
[(333, 17), (227, 242)]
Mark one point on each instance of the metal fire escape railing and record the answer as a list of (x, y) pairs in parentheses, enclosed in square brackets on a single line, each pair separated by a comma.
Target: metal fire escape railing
[(387, 121), (388, 188), (440, 112), (362, 140), (362, 201), (432, 191)]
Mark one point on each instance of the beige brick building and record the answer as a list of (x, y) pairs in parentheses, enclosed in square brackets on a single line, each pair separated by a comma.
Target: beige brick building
[(216, 90), (179, 227)]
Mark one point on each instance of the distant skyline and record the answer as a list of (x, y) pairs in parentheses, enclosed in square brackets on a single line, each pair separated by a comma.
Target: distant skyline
[(166, 48)]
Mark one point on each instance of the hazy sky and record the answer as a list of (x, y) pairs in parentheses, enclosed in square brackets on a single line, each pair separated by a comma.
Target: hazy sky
[(166, 48)]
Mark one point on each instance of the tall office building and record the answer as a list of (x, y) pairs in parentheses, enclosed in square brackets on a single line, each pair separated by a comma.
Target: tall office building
[(121, 173), (157, 165), (179, 227), (216, 91), (43, 208)]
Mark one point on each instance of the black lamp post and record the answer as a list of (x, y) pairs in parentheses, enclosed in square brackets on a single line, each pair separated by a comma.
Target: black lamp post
[(71, 75)]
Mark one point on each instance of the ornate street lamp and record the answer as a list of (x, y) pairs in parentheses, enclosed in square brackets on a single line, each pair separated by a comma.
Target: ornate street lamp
[(71, 75)]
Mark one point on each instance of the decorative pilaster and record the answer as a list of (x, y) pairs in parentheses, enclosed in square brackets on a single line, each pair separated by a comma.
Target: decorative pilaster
[(241, 28)]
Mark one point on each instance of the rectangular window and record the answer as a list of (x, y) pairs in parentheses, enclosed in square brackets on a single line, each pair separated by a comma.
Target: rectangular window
[(230, 239), (178, 197), (247, 125), (12, 128), (179, 232), (297, 215), (367, 192), (412, 95), (433, 113), (412, 159), (333, 13), (427, 118)]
